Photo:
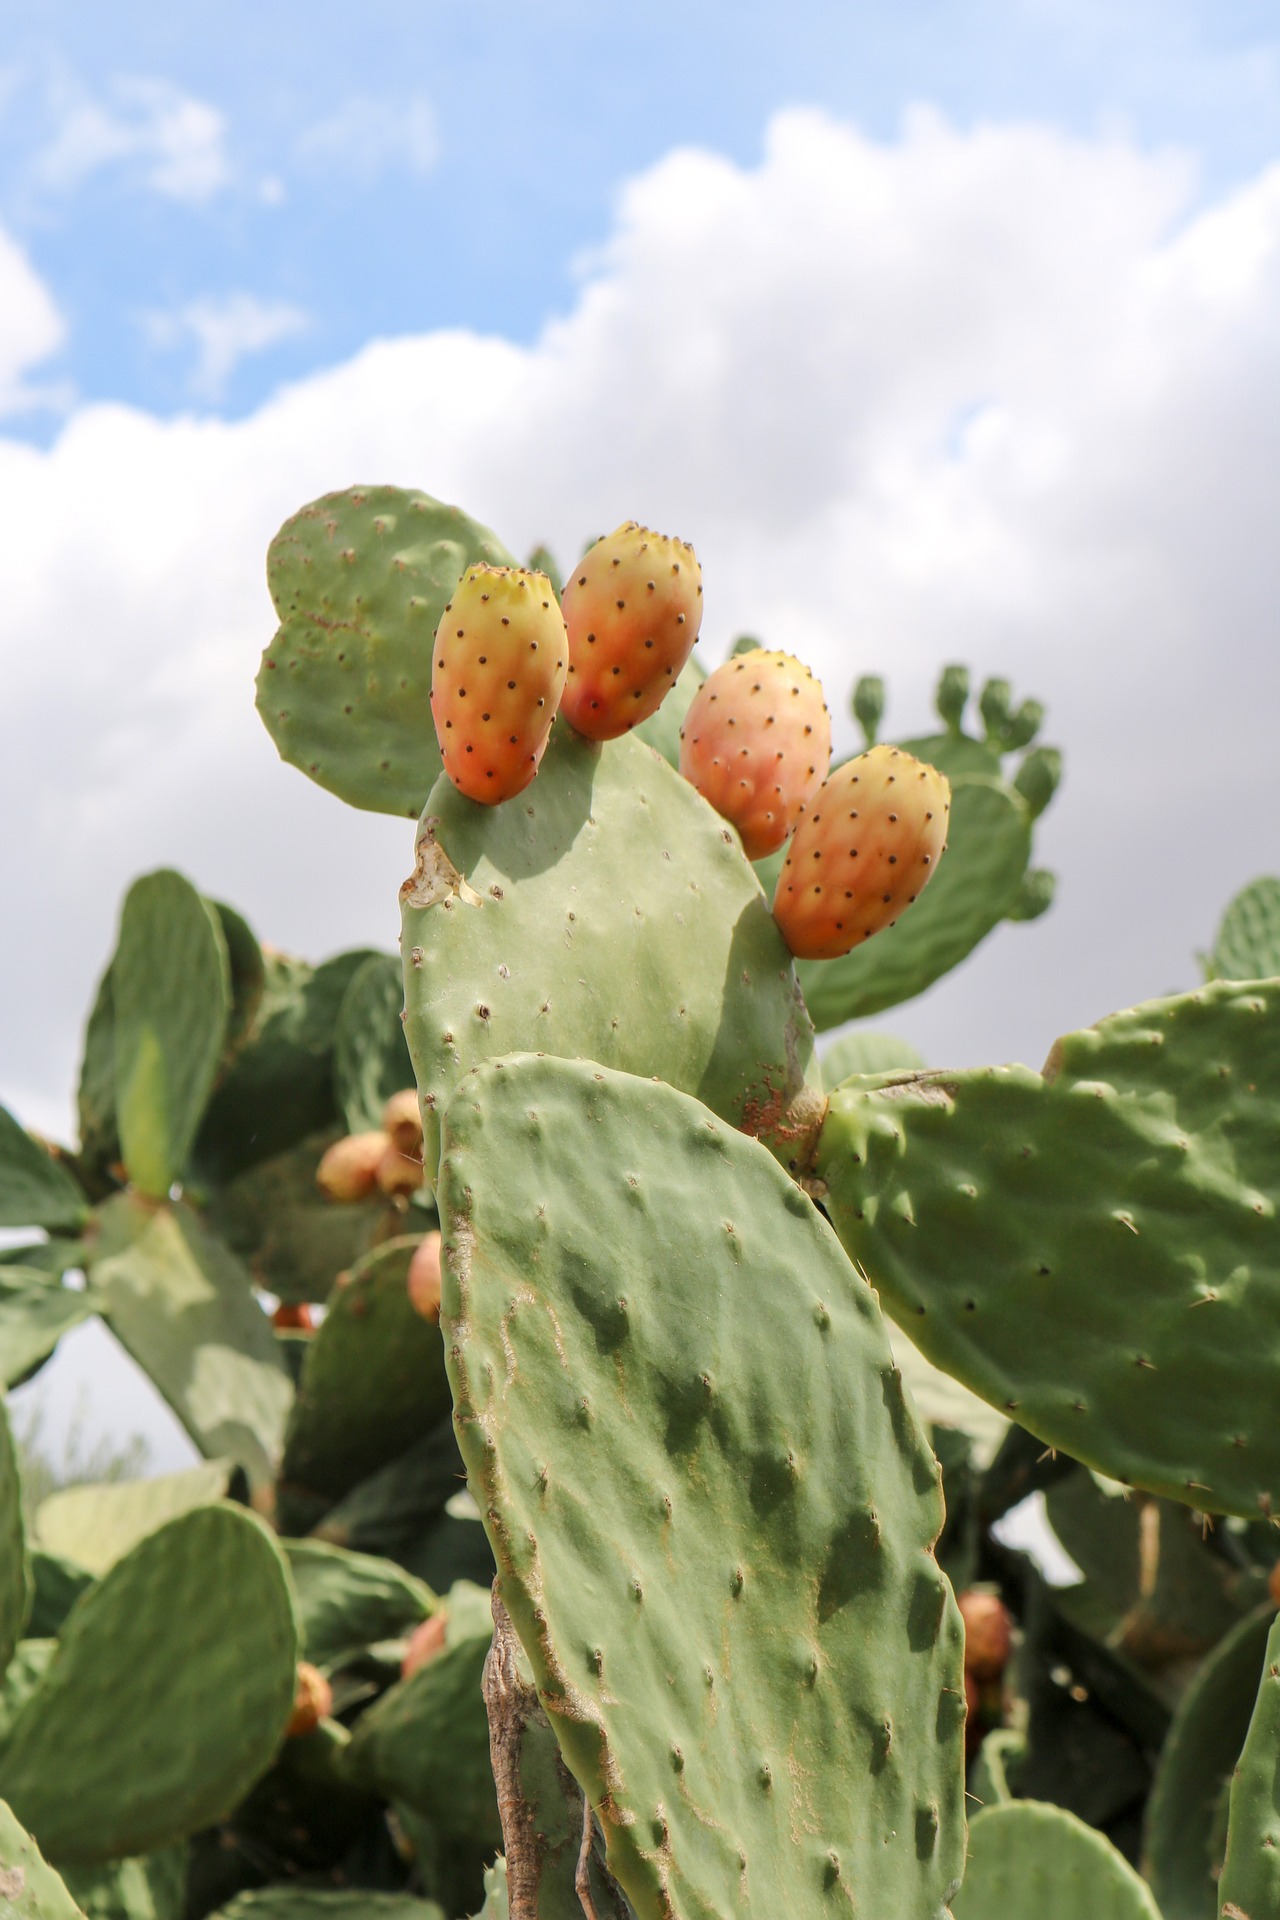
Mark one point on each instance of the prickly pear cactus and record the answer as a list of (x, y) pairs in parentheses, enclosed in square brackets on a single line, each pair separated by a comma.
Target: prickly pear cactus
[(1032, 1862), (1059, 1241), (360, 580), (29, 1887), (1248, 942), (1250, 1884), (720, 1572), (515, 918)]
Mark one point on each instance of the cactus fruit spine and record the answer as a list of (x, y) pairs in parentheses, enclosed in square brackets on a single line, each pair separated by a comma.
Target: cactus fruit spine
[(756, 743), (632, 607), (499, 666), (863, 851)]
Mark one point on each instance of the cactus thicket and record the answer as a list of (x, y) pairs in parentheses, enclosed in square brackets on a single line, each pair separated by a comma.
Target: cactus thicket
[(611, 1412)]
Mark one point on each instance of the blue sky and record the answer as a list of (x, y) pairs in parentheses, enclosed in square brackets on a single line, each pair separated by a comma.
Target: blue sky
[(219, 199)]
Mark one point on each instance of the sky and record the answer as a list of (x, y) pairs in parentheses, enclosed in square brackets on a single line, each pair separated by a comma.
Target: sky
[(945, 331)]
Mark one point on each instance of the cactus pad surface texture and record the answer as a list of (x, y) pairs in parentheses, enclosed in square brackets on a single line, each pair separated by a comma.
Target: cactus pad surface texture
[(1250, 1884), (1093, 1249), (1248, 942), (29, 1887), (720, 1568), (152, 1719), (518, 919), (1029, 1861), (359, 580)]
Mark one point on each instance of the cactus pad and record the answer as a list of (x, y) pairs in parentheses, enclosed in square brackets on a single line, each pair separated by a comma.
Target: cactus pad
[(15, 1581), (517, 916), (346, 1601), (327, 1903), (720, 1570), (1029, 1861), (35, 1312), (1250, 1884), (359, 580), (1094, 1249), (371, 1060), (94, 1526), (1248, 942), (29, 1887), (153, 1719), (35, 1191)]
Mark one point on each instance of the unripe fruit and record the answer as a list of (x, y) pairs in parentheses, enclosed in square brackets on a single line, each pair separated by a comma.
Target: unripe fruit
[(349, 1168), (424, 1277), (756, 743), (864, 850), (632, 608), (402, 1122), (497, 674), (988, 1634), (425, 1643), (312, 1702), (398, 1172)]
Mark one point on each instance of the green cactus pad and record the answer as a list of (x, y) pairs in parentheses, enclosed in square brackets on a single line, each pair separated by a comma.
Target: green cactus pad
[(15, 1573), (35, 1312), (373, 1380), (94, 1526), (518, 917), (29, 1887), (149, 1888), (988, 847), (153, 1719), (371, 1059), (359, 580), (1094, 1250), (171, 1001), (496, 1905), (1182, 1840), (346, 1601), (865, 1052), (294, 1241), (1028, 1861), (719, 1568), (248, 974), (183, 1306), (1248, 942), (425, 1743), (661, 730), (279, 1088), (1250, 1884), (327, 1903), (35, 1191), (58, 1584)]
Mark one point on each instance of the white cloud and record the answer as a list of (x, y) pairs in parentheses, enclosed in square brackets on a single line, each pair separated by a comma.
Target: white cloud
[(366, 137), (171, 142), (992, 396), (223, 330), (31, 328)]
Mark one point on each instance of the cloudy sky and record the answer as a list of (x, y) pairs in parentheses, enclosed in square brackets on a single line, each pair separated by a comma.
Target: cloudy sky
[(945, 331)]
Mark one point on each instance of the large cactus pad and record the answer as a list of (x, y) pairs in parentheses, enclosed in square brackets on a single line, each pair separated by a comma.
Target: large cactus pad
[(1094, 1249), (520, 919), (711, 1506)]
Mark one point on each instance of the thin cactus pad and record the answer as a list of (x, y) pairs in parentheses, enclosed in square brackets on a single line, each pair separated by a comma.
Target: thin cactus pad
[(519, 917), (360, 580), (1093, 1250), (1248, 942), (1250, 1884), (720, 1568)]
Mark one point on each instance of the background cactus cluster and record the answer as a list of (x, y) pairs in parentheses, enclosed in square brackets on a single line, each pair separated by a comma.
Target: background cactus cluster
[(547, 1254)]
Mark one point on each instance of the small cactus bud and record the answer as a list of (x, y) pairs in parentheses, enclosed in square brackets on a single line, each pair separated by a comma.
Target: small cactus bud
[(426, 1642), (424, 1277), (312, 1702), (1034, 895), (349, 1169), (746, 643), (993, 704), (868, 706), (952, 696), (1038, 777), (402, 1122), (988, 1634), (542, 560), (398, 1172), (1021, 728)]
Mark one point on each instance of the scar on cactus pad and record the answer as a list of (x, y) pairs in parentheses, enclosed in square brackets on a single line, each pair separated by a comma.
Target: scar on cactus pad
[(632, 608), (501, 656), (756, 743)]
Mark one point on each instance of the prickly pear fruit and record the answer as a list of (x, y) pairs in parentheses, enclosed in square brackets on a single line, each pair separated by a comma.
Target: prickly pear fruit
[(497, 675), (632, 608), (864, 849), (1273, 1584), (425, 1643), (349, 1168), (398, 1172), (424, 1277), (293, 1319), (756, 743), (402, 1122), (988, 1634), (312, 1703)]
